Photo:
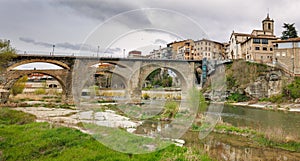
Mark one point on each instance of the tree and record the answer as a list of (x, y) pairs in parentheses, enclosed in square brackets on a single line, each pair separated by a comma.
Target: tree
[(289, 32), (6, 53)]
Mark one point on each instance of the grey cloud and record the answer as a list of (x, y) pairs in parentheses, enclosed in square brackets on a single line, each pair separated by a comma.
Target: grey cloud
[(104, 9), (113, 50), (160, 42), (31, 41), (64, 45)]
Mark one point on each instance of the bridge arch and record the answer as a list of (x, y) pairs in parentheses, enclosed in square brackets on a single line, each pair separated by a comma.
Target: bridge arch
[(50, 61), (135, 81), (116, 75), (14, 77), (147, 70)]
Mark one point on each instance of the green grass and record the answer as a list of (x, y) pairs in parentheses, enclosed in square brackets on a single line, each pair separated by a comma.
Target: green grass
[(260, 138), (229, 128), (8, 117), (289, 145), (28, 140)]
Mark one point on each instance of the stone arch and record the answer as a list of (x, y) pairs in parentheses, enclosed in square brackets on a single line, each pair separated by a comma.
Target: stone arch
[(123, 78), (183, 70), (55, 62), (14, 77), (147, 70)]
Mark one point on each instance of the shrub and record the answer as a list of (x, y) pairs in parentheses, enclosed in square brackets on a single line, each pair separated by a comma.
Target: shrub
[(146, 96), (19, 86), (40, 91), (277, 98), (293, 90), (236, 97)]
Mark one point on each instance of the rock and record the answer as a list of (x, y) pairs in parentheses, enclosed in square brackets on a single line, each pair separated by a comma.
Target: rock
[(131, 130), (179, 141), (297, 100)]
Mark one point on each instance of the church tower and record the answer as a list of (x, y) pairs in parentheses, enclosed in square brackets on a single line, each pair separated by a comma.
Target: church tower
[(268, 25)]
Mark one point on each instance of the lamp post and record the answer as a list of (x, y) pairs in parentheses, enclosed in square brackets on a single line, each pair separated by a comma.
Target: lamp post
[(124, 53), (98, 51), (53, 50)]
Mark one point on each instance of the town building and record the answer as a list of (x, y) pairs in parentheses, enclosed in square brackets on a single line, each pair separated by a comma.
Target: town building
[(287, 55), (161, 53), (186, 51), (176, 45), (235, 49), (256, 46), (135, 54), (208, 49)]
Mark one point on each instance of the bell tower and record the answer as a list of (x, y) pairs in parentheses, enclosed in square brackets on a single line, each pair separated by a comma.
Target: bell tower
[(268, 24)]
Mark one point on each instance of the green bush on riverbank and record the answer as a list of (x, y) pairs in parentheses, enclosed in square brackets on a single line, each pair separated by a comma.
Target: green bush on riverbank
[(20, 140)]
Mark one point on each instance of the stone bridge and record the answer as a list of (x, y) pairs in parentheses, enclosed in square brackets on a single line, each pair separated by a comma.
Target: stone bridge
[(76, 72)]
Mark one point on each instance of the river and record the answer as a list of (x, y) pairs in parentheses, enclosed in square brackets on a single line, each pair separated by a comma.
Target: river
[(238, 148)]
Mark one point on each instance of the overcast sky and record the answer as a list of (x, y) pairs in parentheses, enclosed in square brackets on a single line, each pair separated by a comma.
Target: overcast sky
[(113, 25)]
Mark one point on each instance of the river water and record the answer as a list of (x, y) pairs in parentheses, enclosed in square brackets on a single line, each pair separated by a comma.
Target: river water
[(236, 148)]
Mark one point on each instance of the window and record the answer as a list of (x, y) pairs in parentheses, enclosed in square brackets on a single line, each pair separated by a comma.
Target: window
[(271, 49), (256, 41), (257, 48), (262, 57), (269, 26), (264, 41), (265, 48)]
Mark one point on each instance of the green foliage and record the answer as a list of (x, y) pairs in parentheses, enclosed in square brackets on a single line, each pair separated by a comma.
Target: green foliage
[(160, 78), (9, 117), (171, 108), (19, 86), (229, 128), (146, 96), (40, 91), (289, 145), (230, 81), (6, 53), (289, 32), (202, 104), (277, 98), (236, 97), (293, 90)]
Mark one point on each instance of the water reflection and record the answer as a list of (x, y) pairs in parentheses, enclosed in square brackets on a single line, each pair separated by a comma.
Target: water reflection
[(287, 123)]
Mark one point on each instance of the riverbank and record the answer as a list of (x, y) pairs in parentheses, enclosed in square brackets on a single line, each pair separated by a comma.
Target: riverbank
[(291, 107), (24, 139)]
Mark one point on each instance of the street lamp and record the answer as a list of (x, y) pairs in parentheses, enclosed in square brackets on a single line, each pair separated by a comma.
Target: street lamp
[(98, 51), (53, 50)]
